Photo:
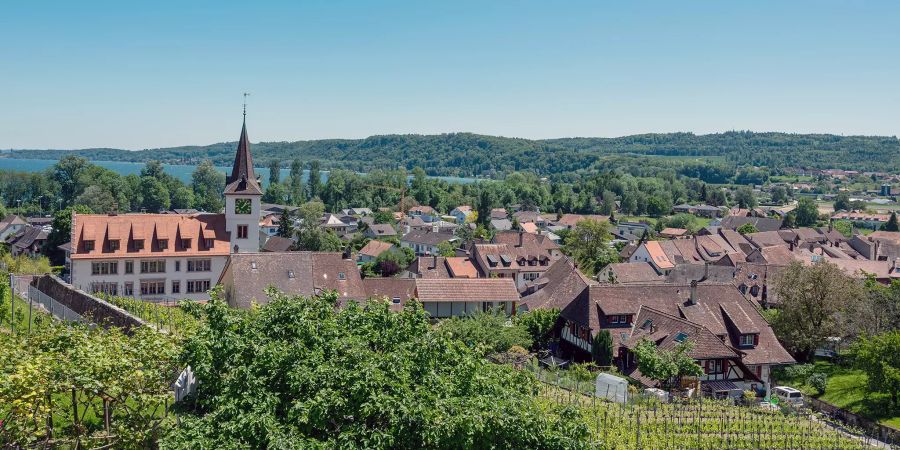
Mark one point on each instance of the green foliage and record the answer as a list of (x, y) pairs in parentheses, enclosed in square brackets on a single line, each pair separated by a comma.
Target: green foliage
[(681, 220), (744, 197), (799, 371), (842, 202), (446, 249), (299, 373), (286, 224), (666, 366), (491, 331), (891, 224), (879, 357), (818, 381), (806, 213), (274, 171), (589, 245), (208, 184), (845, 227), (315, 179), (747, 228), (539, 323), (602, 348)]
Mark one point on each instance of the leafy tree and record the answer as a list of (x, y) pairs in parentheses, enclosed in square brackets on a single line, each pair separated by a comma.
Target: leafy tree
[(446, 249), (879, 357), (589, 245), (602, 348), (681, 220), (844, 227), (96, 198), (891, 224), (666, 366), (539, 323), (383, 217), (806, 213), (275, 193), (286, 224), (744, 197), (183, 198), (274, 171), (296, 189), (780, 195), (156, 195), (315, 179), (813, 299), (747, 228), (486, 201), (62, 229), (208, 184), (68, 173), (301, 373), (487, 329), (842, 201)]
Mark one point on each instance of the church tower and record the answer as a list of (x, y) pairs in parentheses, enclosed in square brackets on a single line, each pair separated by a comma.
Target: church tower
[(243, 197)]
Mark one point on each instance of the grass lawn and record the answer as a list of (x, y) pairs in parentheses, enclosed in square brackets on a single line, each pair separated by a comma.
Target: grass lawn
[(847, 389)]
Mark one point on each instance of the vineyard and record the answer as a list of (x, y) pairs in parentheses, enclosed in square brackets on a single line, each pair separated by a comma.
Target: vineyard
[(166, 317), (648, 424)]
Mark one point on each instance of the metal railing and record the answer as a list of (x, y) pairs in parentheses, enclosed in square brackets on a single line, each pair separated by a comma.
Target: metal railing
[(53, 307)]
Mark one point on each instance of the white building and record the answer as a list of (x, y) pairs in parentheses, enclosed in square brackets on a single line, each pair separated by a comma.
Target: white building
[(168, 256)]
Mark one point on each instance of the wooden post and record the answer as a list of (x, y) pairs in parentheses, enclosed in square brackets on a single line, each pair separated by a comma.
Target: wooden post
[(106, 415), (74, 410)]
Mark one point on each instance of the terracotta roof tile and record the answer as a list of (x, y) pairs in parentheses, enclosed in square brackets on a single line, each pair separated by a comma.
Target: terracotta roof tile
[(131, 227), (466, 290)]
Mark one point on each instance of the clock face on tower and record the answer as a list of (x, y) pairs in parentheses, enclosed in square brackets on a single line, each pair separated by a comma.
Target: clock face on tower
[(243, 206)]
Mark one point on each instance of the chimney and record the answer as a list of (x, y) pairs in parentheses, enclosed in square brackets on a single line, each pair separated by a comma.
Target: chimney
[(791, 246), (521, 237), (347, 252), (693, 298), (705, 271), (435, 226), (433, 262)]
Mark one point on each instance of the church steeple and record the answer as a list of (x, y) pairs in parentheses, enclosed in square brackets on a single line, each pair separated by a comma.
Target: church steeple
[(242, 179)]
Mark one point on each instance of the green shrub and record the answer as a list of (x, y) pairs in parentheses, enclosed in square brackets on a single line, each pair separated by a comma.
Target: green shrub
[(818, 381)]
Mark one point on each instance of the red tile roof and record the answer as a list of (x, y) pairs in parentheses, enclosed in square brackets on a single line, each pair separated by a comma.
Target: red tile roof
[(151, 228), (466, 290), (375, 248)]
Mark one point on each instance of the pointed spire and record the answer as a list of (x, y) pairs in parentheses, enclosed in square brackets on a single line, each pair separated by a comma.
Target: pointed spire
[(242, 178)]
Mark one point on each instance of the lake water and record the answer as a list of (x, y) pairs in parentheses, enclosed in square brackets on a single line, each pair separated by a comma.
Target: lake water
[(182, 172)]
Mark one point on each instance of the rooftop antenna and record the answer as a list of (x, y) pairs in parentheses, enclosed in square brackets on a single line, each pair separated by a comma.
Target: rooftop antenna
[(245, 104)]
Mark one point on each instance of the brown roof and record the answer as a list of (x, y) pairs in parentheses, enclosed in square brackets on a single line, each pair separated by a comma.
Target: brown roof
[(634, 272), (657, 255), (427, 237), (375, 247), (11, 219), (466, 290), (673, 232), (667, 331), (151, 228), (383, 229), (277, 244), (461, 267), (558, 286), (570, 220), (27, 236), (429, 267), (242, 179), (499, 213), (390, 288)]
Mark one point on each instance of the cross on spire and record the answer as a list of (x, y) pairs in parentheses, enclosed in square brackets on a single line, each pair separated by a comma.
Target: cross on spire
[(245, 104)]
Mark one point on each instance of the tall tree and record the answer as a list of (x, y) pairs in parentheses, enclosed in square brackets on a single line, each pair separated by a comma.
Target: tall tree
[(744, 197), (156, 195), (602, 348), (891, 224), (666, 366), (813, 301), (879, 357), (68, 173), (315, 179), (274, 171), (842, 201), (208, 184), (588, 244), (286, 224), (485, 204), (807, 213)]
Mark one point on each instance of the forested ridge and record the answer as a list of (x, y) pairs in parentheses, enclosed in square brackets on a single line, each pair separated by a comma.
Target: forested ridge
[(466, 154)]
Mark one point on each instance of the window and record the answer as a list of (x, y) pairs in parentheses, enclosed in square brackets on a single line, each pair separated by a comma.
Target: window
[(681, 337), (748, 340), (342, 276), (129, 267), (176, 287), (154, 266), (185, 243), (714, 366), (104, 268), (113, 245), (153, 287), (210, 243), (395, 300), (128, 289), (105, 288), (88, 246), (243, 206), (163, 244), (197, 286), (242, 231), (178, 266), (138, 244), (199, 265)]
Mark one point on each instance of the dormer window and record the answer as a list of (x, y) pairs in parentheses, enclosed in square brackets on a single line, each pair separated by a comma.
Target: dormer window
[(88, 246), (748, 340), (163, 244), (210, 243), (186, 243), (113, 245), (138, 244)]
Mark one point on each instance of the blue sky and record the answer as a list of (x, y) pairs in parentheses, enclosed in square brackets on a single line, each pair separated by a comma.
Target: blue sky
[(128, 75)]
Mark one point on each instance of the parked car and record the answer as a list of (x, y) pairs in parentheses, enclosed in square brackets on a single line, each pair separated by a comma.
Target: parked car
[(788, 394)]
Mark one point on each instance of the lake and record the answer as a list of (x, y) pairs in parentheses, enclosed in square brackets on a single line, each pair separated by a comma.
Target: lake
[(182, 172)]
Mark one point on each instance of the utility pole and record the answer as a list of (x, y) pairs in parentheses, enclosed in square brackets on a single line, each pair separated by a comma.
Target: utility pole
[(12, 304)]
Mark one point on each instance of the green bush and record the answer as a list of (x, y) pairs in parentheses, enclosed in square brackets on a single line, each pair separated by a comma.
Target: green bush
[(818, 381)]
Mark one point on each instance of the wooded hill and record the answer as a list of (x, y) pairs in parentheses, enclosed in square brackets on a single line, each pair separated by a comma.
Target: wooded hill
[(466, 154)]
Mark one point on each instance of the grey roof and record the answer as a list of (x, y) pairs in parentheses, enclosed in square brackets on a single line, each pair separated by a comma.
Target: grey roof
[(501, 224), (382, 229), (277, 244), (427, 237), (761, 223)]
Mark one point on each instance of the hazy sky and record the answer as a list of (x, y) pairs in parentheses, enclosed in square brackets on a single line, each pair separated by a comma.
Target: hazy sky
[(119, 74)]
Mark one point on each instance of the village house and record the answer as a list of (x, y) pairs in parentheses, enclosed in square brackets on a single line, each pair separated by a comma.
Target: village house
[(441, 267), (462, 213), (426, 213), (568, 221), (28, 241), (277, 244), (426, 242), (499, 213), (863, 219), (698, 210), (380, 230), (168, 256), (10, 225), (524, 257), (372, 250)]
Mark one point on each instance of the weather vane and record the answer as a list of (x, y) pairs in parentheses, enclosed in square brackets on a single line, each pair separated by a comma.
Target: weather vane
[(245, 103)]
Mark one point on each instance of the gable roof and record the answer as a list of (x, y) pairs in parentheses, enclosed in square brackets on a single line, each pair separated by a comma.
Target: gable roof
[(466, 289), (151, 228), (277, 244), (375, 247), (558, 286), (382, 229), (667, 331), (633, 272), (427, 237), (760, 223)]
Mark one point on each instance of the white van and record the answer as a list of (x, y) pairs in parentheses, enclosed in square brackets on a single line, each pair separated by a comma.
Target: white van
[(788, 394)]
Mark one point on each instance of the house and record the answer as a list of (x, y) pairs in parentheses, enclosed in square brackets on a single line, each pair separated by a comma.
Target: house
[(356, 212), (28, 241), (372, 250), (632, 228), (698, 210), (499, 213), (268, 225), (10, 225), (674, 233), (168, 256), (462, 213), (442, 267), (652, 252), (336, 224), (246, 277), (501, 224), (380, 230), (529, 227), (623, 273), (453, 297), (426, 213), (425, 242), (732, 341), (277, 244), (396, 291), (521, 256), (863, 219), (530, 216)]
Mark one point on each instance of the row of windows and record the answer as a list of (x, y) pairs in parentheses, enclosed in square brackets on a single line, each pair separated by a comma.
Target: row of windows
[(150, 266), (150, 287), (138, 244)]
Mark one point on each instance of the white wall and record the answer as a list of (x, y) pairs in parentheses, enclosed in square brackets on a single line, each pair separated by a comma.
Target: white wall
[(232, 220), (82, 278)]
